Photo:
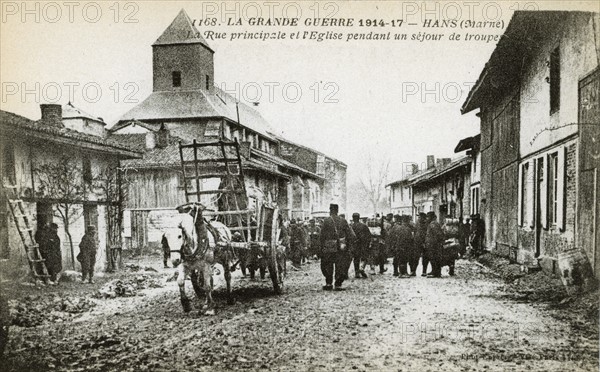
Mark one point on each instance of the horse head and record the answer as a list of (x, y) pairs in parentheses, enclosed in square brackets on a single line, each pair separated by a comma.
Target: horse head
[(194, 236)]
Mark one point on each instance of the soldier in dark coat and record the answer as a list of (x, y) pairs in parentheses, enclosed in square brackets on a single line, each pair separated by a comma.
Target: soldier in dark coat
[(314, 236), (361, 246), (420, 234), (54, 255), (402, 244), (298, 243), (434, 241), (413, 252), (87, 254), (335, 236)]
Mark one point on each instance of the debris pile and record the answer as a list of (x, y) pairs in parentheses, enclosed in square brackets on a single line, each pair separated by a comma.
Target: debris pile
[(32, 311), (127, 287), (135, 268)]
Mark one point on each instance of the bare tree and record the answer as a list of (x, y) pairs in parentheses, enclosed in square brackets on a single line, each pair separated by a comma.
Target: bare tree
[(374, 179), (61, 184)]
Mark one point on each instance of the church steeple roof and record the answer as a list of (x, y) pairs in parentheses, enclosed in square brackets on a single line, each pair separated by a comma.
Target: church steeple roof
[(181, 31)]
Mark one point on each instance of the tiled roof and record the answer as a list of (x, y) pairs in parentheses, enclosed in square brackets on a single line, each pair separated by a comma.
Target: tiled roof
[(437, 172), (136, 141), (40, 130), (521, 38), (71, 112), (181, 31), (195, 104)]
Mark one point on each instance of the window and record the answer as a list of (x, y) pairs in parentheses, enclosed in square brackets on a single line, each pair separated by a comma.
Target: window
[(320, 165), (87, 169), (475, 200), (8, 164), (393, 194), (553, 188), (524, 189), (409, 193), (176, 79), (555, 80), (401, 193), (207, 82)]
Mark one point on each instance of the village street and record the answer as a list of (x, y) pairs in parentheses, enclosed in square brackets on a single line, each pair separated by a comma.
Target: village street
[(472, 321)]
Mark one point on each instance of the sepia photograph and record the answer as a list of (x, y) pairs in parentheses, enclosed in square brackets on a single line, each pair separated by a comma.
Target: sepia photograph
[(299, 185)]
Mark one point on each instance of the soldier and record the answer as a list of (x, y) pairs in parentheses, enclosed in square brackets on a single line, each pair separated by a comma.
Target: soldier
[(53, 254), (87, 254), (434, 240), (335, 235), (402, 242), (361, 246), (314, 235), (420, 234), (298, 243), (382, 253)]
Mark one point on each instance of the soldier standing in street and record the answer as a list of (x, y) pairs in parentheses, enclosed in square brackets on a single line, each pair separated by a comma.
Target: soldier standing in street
[(402, 244), (420, 234), (434, 241), (54, 255), (335, 236), (87, 254), (314, 236), (361, 246)]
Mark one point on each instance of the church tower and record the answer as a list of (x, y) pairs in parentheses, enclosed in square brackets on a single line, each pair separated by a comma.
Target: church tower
[(181, 58)]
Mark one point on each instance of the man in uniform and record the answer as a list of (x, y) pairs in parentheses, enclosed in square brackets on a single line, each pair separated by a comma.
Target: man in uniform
[(420, 234), (335, 236), (87, 255), (401, 244), (434, 240), (361, 246), (314, 236)]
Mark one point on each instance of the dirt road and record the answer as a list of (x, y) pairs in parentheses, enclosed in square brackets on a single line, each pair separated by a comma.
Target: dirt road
[(460, 323)]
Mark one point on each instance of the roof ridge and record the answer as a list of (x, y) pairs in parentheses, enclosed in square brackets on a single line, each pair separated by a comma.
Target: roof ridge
[(181, 31)]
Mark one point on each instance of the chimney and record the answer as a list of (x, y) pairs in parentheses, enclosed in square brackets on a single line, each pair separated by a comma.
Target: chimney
[(446, 161), (430, 161), (150, 140), (439, 163), (162, 137), (52, 115)]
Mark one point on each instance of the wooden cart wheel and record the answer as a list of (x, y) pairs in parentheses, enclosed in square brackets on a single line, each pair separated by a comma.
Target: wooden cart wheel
[(273, 267)]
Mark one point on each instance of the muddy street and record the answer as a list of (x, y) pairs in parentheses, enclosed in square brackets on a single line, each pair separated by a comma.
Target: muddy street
[(460, 323)]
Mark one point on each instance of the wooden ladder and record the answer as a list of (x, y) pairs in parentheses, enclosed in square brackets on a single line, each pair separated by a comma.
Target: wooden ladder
[(221, 168), (23, 224)]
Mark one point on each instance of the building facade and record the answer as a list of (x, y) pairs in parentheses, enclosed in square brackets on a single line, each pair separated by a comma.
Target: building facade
[(538, 104), (66, 172), (185, 106)]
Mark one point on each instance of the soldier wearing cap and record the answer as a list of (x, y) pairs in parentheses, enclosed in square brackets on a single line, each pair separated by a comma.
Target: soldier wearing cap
[(314, 236), (87, 254), (420, 234), (402, 242), (434, 240), (361, 246), (335, 256)]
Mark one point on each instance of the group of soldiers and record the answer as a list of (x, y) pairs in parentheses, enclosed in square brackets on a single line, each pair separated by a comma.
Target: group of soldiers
[(372, 241)]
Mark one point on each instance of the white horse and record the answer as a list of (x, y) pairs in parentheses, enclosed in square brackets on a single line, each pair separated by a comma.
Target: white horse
[(195, 250)]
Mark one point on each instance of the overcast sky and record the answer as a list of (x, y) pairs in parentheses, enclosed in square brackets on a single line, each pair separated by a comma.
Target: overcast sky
[(367, 110)]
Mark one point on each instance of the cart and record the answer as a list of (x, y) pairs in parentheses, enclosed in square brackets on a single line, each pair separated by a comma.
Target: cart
[(213, 175)]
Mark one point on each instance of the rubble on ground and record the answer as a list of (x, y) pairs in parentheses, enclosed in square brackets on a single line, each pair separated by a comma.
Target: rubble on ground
[(31, 311), (128, 287), (135, 268)]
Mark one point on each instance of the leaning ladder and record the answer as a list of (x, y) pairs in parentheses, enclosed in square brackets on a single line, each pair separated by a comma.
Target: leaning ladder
[(23, 224), (217, 164)]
